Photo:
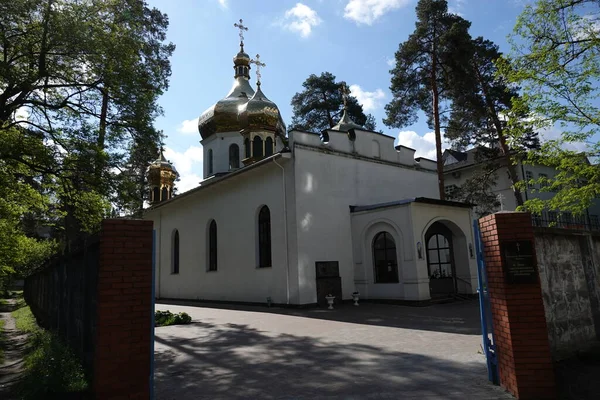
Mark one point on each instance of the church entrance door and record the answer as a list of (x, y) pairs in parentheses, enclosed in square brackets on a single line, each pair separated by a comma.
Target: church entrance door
[(440, 261)]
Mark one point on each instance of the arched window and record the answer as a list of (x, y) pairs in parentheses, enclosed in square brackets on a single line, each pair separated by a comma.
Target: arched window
[(257, 147), (156, 194), (175, 251), (268, 147), (264, 237), (384, 258), (375, 146), (212, 246), (164, 194), (247, 147), (210, 162), (234, 156)]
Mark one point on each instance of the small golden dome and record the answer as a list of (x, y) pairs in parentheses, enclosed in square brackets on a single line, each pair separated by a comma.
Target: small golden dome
[(261, 113), (161, 164)]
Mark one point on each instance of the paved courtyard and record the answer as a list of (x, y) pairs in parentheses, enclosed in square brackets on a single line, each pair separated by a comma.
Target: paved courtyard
[(373, 351)]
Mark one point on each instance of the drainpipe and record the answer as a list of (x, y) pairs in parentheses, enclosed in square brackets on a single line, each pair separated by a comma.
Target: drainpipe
[(285, 228), (158, 244)]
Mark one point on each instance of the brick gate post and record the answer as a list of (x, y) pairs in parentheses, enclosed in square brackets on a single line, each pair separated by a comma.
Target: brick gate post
[(524, 360), (123, 318)]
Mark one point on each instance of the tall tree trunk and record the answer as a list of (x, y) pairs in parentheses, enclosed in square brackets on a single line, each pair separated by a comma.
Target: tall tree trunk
[(436, 121), (512, 171), (101, 142)]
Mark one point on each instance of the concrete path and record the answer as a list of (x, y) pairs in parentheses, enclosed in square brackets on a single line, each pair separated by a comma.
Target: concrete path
[(373, 351), (13, 342)]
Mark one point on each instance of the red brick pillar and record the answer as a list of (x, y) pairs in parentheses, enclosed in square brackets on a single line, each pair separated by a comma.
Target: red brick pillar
[(122, 352), (524, 360)]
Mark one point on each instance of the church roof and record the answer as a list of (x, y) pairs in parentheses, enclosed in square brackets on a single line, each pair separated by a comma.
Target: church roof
[(346, 124), (162, 164), (217, 179), (425, 200)]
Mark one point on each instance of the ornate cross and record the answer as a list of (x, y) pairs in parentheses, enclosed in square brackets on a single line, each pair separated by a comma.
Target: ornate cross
[(242, 28), (345, 93), (259, 65)]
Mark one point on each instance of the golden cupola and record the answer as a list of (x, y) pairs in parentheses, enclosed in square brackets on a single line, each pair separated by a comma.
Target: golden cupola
[(262, 123), (161, 177), (223, 115)]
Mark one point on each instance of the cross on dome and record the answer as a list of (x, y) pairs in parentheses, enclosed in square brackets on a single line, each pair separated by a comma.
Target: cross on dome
[(259, 65), (242, 28), (345, 93)]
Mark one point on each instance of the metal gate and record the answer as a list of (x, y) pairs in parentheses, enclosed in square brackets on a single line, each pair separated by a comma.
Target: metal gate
[(487, 333)]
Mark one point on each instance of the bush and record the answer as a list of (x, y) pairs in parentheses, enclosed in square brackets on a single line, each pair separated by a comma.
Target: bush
[(165, 318)]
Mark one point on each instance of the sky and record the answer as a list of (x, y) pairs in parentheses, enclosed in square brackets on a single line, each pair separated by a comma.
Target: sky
[(353, 39)]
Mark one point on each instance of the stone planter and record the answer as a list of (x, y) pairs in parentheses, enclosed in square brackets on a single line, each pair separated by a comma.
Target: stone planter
[(330, 299)]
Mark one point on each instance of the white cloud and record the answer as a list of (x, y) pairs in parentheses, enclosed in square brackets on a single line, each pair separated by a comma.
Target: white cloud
[(223, 3), (368, 11), (184, 163), (301, 19), (391, 62), (188, 126), (457, 7), (424, 145), (369, 100)]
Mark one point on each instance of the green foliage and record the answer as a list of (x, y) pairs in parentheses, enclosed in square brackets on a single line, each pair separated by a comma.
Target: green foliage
[(165, 318), (51, 368), (555, 58), (25, 321), (78, 97), (481, 99), (320, 105), (420, 79)]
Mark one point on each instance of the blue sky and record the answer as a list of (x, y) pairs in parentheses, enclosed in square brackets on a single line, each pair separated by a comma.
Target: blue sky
[(353, 39)]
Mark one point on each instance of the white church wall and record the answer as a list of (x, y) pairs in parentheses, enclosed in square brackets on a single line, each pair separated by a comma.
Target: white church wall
[(326, 185), (234, 204), (219, 144), (423, 216), (365, 226), (405, 155)]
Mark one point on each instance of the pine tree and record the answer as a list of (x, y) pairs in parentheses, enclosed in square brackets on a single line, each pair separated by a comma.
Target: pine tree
[(320, 105), (420, 80), (481, 102)]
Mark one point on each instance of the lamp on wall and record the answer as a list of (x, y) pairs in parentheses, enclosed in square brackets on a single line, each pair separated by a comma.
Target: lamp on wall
[(471, 250), (420, 250)]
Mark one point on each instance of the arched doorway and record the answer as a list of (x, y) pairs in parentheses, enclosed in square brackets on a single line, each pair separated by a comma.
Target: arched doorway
[(384, 258), (440, 260)]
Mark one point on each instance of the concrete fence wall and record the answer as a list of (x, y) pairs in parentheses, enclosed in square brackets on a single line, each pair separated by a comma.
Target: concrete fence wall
[(99, 301), (569, 269)]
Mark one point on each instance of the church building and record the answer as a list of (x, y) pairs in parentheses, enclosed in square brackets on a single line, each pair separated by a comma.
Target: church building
[(290, 217)]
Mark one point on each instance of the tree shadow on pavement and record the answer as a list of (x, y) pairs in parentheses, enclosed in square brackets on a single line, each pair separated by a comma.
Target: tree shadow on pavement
[(235, 361), (460, 317)]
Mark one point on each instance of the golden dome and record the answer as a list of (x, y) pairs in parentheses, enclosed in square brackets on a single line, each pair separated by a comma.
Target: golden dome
[(223, 115), (161, 164), (261, 113)]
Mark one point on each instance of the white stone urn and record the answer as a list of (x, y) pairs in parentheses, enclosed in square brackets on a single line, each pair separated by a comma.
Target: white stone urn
[(330, 299), (355, 297)]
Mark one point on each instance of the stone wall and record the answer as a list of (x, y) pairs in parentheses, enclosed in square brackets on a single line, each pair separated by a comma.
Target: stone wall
[(569, 271)]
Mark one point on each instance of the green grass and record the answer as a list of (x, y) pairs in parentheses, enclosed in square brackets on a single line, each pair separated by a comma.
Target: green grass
[(51, 368), (25, 321)]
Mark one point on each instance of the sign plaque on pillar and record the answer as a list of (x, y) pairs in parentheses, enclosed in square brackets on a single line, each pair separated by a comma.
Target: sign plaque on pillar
[(519, 261)]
